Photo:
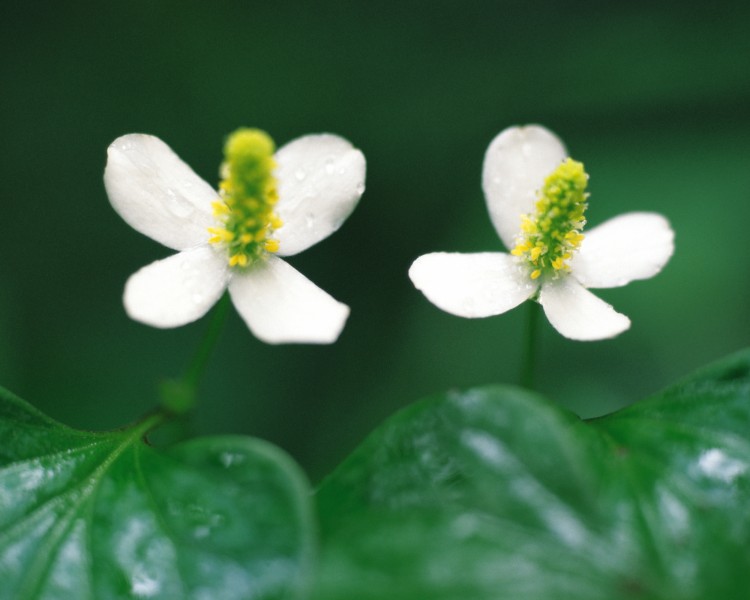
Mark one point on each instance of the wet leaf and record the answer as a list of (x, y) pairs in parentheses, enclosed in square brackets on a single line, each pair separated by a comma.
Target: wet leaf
[(104, 515), (497, 494)]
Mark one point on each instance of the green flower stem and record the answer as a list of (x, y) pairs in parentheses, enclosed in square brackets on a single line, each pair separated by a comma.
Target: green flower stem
[(200, 359), (178, 396), (528, 355)]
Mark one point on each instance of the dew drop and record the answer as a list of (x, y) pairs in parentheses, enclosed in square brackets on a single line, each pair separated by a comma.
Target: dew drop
[(197, 298), (144, 584), (179, 207), (300, 174), (229, 459), (361, 188), (466, 525), (330, 162)]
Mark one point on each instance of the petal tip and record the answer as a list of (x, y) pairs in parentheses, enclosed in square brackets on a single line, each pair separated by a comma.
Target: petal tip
[(579, 315), (319, 337)]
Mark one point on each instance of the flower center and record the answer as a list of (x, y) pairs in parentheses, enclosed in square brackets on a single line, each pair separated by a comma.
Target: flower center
[(549, 237), (248, 194)]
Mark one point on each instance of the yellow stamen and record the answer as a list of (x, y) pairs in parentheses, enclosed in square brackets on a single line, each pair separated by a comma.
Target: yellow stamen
[(221, 233), (220, 208), (238, 260)]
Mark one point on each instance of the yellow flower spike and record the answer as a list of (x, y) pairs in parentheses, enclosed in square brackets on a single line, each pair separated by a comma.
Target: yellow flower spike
[(549, 238), (248, 193)]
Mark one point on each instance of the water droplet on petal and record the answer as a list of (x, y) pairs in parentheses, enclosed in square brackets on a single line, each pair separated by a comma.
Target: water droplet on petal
[(197, 298), (361, 188), (300, 174), (330, 163), (179, 207)]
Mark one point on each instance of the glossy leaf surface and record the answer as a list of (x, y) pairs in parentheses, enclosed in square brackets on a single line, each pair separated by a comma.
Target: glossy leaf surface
[(106, 516), (497, 494)]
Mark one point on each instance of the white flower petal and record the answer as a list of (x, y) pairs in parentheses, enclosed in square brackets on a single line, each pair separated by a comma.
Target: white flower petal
[(321, 178), (629, 247), (176, 290), (577, 314), (515, 166), (472, 285), (282, 306), (157, 193)]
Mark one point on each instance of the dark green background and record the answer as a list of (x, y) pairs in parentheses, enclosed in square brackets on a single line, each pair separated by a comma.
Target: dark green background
[(653, 97)]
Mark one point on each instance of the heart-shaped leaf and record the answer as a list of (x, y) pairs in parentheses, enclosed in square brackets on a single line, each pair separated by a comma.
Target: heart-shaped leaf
[(497, 494), (104, 515)]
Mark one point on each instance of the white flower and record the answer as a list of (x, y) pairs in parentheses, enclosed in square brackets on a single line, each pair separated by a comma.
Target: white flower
[(231, 239), (536, 199)]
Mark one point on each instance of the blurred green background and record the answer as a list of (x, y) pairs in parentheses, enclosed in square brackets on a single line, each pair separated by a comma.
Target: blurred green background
[(653, 97)]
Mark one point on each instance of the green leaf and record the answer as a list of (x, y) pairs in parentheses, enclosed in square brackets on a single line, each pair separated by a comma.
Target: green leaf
[(105, 515), (498, 494)]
